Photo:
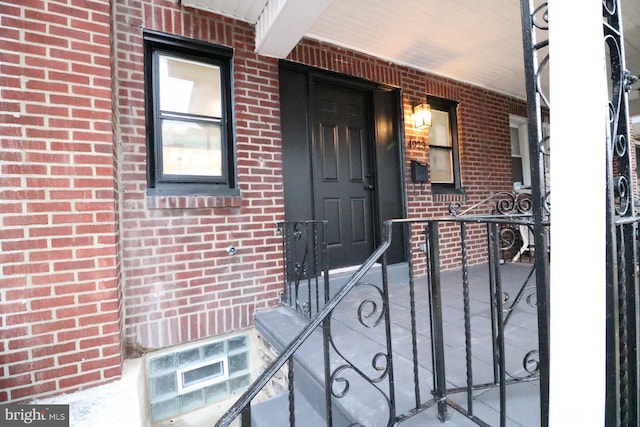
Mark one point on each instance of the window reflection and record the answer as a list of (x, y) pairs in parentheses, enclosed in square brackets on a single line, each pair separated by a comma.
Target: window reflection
[(189, 87), (191, 148)]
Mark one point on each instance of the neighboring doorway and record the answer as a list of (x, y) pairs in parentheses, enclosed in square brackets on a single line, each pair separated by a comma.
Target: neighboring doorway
[(342, 160)]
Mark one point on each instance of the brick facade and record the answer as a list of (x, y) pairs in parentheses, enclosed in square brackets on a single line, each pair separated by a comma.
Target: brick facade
[(59, 289), (94, 270), (180, 282)]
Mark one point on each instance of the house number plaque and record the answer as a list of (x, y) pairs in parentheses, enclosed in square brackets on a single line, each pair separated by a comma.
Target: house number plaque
[(416, 144)]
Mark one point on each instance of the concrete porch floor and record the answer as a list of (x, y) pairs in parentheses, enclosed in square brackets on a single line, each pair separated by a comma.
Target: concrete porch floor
[(359, 344)]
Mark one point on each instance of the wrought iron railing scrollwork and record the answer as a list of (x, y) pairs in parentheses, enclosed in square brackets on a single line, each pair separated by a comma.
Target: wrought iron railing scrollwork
[(371, 372), (503, 307), (305, 254), (526, 295), (535, 41), (623, 406), (370, 314), (500, 203), (242, 407), (508, 215), (512, 238)]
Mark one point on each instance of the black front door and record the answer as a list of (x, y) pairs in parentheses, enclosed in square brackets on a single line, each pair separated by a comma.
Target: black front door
[(339, 138), (342, 172)]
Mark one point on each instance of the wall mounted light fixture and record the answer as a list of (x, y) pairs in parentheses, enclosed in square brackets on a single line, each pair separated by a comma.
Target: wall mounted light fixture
[(422, 116)]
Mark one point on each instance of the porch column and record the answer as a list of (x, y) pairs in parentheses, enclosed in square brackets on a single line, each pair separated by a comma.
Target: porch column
[(578, 95)]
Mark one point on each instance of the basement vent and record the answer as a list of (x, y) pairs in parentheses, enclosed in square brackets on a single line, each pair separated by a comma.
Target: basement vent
[(208, 373), (189, 377)]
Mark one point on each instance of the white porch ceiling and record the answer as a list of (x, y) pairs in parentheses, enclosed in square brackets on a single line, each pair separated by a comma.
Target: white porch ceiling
[(467, 40)]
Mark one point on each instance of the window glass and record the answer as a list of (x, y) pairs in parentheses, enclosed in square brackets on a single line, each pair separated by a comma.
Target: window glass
[(189, 87), (515, 141), (520, 167), (443, 146), (517, 174), (516, 158), (441, 165), (440, 133), (191, 148)]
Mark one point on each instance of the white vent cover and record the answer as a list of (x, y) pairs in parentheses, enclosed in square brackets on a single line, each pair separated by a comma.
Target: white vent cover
[(201, 375)]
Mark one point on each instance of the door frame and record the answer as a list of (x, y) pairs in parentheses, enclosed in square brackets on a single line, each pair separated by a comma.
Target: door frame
[(297, 84)]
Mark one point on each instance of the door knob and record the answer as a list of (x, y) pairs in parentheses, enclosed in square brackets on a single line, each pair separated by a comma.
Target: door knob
[(369, 187)]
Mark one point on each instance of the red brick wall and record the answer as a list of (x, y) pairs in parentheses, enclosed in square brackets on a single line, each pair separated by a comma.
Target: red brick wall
[(73, 206), (180, 283), (59, 309)]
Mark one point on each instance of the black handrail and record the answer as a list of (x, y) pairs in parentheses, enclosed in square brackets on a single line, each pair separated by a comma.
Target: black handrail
[(320, 317), (499, 318)]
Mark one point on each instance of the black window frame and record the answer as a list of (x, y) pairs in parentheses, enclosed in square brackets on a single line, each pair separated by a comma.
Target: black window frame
[(451, 107), (159, 184)]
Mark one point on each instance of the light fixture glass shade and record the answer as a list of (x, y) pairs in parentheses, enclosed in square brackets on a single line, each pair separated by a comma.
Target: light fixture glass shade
[(422, 116)]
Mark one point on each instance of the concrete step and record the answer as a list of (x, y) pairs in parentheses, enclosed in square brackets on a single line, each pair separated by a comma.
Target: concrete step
[(279, 326), (274, 412), (363, 403)]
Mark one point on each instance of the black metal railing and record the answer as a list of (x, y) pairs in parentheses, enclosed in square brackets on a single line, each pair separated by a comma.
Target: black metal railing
[(515, 239), (243, 406), (535, 44), (623, 323), (306, 279), (421, 310), (622, 288), (622, 401)]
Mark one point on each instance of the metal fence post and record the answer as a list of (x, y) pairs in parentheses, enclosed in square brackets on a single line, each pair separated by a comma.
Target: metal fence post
[(435, 309)]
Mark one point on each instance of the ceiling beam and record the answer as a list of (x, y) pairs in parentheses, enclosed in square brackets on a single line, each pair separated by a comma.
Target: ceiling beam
[(284, 22)]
